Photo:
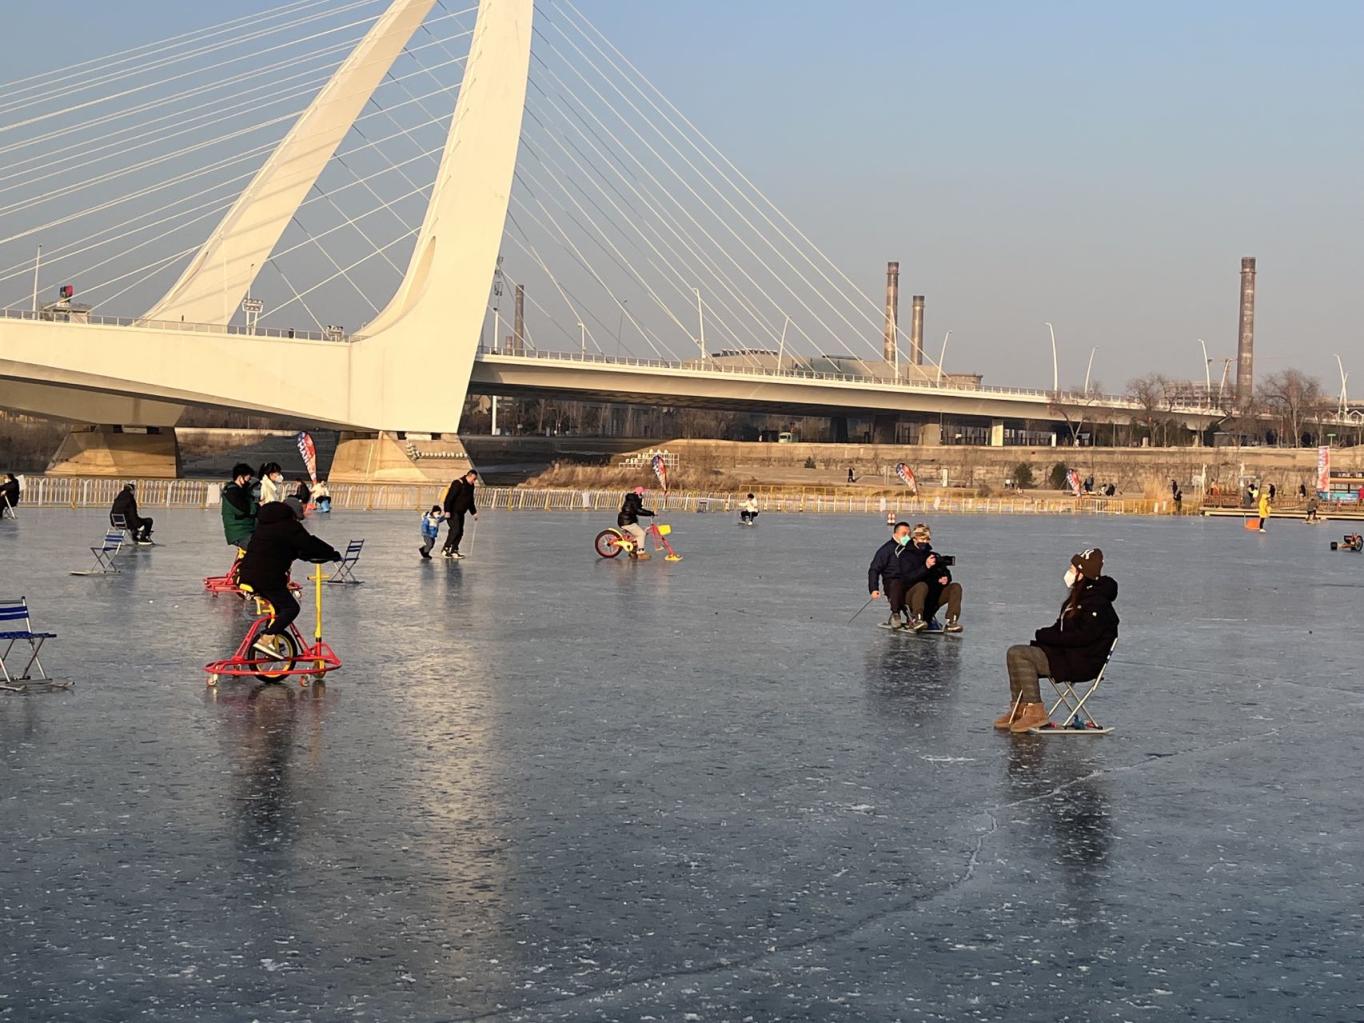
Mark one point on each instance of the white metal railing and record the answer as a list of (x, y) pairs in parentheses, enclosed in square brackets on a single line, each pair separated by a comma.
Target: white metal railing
[(85, 492), (94, 319)]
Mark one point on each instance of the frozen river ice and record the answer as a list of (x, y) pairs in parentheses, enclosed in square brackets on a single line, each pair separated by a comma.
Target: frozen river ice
[(546, 787)]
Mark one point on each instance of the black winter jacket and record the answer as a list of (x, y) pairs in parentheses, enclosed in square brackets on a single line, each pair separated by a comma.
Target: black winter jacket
[(1077, 646), (915, 570), (891, 561), (125, 504), (279, 540), (10, 490), (460, 498), (631, 509)]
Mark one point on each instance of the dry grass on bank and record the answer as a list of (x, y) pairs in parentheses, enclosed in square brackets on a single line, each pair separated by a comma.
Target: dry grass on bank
[(596, 477)]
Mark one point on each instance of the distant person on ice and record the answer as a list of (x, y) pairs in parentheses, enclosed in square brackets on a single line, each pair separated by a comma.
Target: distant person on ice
[(430, 530), (631, 511), (271, 478), (459, 501), (279, 540), (125, 504), (1264, 509), (9, 494), (748, 514), (1072, 650)]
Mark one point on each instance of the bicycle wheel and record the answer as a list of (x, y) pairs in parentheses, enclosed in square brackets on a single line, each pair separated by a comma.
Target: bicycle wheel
[(608, 542), (277, 665)]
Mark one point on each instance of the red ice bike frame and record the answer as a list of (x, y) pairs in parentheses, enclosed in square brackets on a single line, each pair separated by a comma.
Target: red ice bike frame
[(286, 656), (612, 541)]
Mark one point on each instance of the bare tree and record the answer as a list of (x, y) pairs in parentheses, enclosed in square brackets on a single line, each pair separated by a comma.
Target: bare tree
[(1148, 392), (1292, 396)]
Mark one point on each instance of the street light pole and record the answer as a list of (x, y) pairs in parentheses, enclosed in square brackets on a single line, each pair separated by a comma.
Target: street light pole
[(1055, 374), (582, 343), (37, 263), (1344, 406)]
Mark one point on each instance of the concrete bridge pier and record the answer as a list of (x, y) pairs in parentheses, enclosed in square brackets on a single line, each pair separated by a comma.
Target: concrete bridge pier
[(398, 458), (883, 428), (996, 433), (930, 434), (132, 452)]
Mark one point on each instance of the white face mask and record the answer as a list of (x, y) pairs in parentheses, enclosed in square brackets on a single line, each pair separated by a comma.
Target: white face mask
[(1070, 577)]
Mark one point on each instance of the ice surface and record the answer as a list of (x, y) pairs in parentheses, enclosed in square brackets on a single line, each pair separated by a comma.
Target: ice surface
[(547, 787)]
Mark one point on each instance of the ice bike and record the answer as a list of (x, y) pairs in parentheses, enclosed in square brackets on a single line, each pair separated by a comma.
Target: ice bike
[(613, 541), (278, 657)]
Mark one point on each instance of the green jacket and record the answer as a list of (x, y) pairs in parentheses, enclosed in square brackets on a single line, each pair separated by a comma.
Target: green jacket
[(239, 513)]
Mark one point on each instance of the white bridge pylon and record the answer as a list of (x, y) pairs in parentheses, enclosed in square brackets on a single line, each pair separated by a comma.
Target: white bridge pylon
[(381, 379)]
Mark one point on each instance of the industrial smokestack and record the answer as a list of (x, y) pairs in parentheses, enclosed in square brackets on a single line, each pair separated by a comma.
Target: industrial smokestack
[(519, 324), (1245, 339), (892, 312), (916, 331)]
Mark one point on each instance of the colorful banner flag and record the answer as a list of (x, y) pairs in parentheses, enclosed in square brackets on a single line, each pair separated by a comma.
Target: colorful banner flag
[(1323, 469), (661, 471), (906, 475), (1073, 478), (308, 450)]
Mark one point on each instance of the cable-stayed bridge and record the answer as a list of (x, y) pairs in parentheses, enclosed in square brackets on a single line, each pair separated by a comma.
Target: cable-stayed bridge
[(349, 212)]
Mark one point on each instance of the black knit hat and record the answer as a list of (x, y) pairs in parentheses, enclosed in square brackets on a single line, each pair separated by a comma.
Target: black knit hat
[(1090, 562)]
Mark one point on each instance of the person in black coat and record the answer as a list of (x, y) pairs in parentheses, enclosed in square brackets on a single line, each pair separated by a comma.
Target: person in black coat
[(928, 583), (279, 541), (891, 567), (125, 504), (1074, 649), (459, 501), (631, 511), (9, 494)]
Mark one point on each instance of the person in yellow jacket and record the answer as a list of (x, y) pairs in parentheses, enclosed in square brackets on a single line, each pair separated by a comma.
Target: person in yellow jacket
[(1264, 508)]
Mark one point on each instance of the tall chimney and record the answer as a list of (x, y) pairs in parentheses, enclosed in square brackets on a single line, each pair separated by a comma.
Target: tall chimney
[(892, 312), (519, 324), (916, 331), (1245, 339)]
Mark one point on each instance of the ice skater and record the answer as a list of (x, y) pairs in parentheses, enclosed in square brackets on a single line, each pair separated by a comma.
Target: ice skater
[(459, 501), (430, 530), (1264, 509)]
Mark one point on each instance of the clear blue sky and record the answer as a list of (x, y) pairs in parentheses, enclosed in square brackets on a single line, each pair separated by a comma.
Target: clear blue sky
[(1102, 166)]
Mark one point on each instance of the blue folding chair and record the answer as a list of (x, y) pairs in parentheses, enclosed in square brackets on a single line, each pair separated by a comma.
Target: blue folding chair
[(105, 553), (345, 571), (17, 627)]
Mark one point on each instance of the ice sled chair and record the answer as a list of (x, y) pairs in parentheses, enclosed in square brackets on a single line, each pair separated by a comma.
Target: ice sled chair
[(105, 552), (1077, 719), (17, 628), (345, 571)]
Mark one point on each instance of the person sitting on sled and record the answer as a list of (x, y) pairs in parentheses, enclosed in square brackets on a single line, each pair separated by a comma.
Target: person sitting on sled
[(748, 513), (1074, 649)]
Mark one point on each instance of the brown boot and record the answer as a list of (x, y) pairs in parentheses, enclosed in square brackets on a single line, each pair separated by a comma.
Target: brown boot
[(1030, 715), (1003, 723)]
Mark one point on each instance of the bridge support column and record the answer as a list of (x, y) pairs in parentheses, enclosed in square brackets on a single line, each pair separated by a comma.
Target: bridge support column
[(398, 458), (996, 433), (146, 453), (930, 434), (838, 426), (883, 429)]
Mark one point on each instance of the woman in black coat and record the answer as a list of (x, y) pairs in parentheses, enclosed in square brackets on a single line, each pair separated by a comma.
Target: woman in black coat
[(1072, 650), (279, 541)]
